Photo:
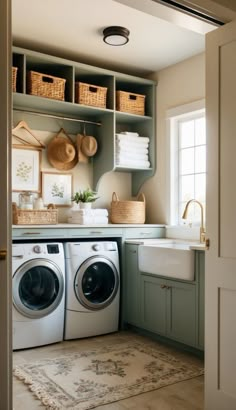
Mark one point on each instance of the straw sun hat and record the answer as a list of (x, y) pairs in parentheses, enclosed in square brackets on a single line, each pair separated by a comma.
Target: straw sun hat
[(61, 152)]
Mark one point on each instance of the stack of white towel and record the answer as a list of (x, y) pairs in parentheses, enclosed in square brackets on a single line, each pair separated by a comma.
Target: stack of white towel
[(89, 216), (132, 150)]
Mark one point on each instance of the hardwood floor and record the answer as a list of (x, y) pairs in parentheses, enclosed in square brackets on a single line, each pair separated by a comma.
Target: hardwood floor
[(186, 395)]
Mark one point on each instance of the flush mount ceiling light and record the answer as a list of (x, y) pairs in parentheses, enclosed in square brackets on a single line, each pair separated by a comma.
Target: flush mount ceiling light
[(116, 35)]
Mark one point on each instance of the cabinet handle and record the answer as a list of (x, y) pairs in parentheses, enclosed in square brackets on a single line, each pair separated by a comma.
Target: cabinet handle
[(31, 233), (163, 286), (145, 233), (97, 232)]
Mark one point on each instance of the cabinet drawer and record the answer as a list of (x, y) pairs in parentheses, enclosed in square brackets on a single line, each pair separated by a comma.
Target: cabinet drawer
[(38, 233), (93, 232), (144, 232)]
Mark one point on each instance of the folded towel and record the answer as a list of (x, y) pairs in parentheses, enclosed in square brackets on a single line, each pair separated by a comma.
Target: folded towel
[(89, 212), (134, 150), (131, 155), (131, 145), (87, 220), (134, 134), (133, 138), (133, 164)]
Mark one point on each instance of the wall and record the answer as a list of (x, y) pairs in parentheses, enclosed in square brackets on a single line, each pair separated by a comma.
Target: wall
[(81, 176), (179, 84)]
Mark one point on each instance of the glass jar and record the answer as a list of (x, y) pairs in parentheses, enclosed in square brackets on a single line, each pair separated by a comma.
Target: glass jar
[(26, 200)]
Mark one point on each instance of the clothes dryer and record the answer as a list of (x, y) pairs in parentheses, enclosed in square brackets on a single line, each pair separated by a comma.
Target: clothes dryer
[(92, 289), (38, 287)]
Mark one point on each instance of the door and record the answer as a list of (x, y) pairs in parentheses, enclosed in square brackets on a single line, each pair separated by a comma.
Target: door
[(5, 210), (37, 288), (96, 283), (220, 292)]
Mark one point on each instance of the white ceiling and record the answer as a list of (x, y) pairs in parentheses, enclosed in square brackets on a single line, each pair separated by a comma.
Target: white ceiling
[(73, 29)]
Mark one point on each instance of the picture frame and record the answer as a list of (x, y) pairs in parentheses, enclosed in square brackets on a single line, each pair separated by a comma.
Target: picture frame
[(26, 163), (57, 188)]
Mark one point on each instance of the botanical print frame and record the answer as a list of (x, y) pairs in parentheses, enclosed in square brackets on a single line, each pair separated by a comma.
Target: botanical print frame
[(56, 188), (26, 164)]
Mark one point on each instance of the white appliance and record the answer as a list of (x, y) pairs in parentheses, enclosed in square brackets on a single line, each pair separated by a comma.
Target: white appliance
[(38, 287), (92, 289)]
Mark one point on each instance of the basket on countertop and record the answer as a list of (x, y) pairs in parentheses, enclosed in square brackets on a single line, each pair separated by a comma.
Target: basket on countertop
[(14, 76), (47, 216), (89, 94), (45, 85), (130, 102), (127, 212)]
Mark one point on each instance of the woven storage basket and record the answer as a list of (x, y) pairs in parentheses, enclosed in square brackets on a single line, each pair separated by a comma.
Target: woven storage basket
[(128, 212), (14, 76), (45, 85), (88, 94), (130, 102), (34, 217)]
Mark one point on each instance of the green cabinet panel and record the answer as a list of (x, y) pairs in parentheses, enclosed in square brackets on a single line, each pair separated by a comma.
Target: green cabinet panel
[(131, 286), (153, 304), (147, 231), (181, 312)]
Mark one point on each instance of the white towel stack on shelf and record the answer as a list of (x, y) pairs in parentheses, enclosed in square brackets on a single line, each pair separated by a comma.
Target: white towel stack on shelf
[(89, 216), (132, 150)]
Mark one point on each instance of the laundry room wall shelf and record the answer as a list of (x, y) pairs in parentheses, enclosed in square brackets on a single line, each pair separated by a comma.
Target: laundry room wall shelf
[(112, 121)]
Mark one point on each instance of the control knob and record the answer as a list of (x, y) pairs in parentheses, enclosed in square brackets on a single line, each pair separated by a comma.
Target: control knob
[(37, 249), (96, 247)]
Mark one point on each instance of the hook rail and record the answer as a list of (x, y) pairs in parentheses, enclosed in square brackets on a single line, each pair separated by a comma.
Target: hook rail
[(59, 117)]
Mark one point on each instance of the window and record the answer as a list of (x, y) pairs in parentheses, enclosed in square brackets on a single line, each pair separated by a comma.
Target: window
[(188, 163)]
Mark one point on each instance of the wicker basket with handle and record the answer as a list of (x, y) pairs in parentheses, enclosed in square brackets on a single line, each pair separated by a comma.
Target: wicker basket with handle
[(45, 85), (130, 102), (47, 216), (88, 94), (127, 212)]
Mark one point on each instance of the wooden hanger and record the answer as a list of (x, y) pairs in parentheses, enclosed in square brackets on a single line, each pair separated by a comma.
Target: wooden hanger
[(24, 125)]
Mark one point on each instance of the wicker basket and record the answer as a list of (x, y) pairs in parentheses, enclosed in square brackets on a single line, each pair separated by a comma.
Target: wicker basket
[(14, 76), (127, 212), (88, 94), (130, 102), (47, 216), (45, 85)]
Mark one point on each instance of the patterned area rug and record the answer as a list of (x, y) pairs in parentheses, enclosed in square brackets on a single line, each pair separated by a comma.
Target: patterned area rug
[(85, 380)]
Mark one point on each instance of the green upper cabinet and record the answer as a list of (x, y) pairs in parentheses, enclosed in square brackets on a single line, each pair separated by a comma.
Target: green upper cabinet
[(103, 120)]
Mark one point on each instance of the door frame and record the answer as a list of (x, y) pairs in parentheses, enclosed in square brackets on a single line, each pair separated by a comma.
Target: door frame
[(5, 210)]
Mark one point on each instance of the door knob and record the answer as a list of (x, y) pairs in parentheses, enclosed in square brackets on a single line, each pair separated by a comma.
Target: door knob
[(3, 253)]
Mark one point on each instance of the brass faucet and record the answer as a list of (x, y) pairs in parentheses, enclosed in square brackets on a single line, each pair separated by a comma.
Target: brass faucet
[(202, 229)]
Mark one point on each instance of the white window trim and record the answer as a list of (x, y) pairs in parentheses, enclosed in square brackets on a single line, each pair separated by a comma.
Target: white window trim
[(173, 114)]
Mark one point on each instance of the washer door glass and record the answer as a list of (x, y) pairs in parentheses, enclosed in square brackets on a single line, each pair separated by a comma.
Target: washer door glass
[(37, 288), (96, 283)]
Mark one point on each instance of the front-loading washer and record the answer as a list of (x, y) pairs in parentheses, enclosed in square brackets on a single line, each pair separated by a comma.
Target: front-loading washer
[(38, 288), (92, 289)]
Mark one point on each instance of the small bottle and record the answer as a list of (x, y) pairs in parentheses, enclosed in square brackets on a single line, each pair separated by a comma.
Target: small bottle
[(38, 203), (26, 200)]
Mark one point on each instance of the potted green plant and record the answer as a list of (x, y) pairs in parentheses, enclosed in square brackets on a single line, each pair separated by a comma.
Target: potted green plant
[(85, 198)]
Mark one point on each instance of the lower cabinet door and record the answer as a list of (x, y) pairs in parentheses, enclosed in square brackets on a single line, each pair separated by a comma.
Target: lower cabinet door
[(131, 286), (153, 304), (181, 312)]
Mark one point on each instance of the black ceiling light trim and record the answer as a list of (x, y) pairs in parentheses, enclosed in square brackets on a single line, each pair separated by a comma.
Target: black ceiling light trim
[(116, 35), (191, 11)]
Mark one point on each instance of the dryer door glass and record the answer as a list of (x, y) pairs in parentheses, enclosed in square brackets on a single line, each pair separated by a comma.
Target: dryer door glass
[(96, 283), (37, 289)]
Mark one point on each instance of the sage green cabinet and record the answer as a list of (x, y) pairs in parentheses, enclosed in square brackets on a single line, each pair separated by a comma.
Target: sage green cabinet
[(132, 286), (169, 308)]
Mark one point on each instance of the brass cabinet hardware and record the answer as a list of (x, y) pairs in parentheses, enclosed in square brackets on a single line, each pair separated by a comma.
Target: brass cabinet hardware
[(163, 286), (3, 253), (207, 243)]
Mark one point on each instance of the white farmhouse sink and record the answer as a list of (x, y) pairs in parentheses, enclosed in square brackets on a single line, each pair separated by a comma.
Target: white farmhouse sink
[(170, 258)]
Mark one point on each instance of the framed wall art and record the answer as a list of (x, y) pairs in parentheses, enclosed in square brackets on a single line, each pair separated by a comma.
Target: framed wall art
[(26, 164), (56, 188)]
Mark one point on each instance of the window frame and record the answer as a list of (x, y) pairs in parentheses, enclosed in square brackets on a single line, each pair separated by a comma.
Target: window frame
[(188, 112)]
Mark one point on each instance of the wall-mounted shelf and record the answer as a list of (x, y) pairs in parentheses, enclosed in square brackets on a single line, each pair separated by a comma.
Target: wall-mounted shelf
[(111, 120)]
